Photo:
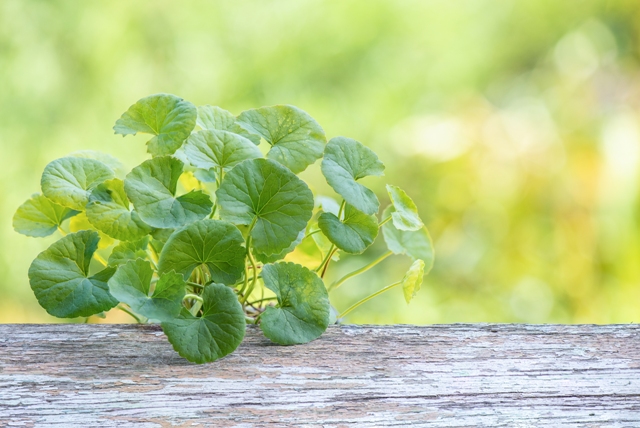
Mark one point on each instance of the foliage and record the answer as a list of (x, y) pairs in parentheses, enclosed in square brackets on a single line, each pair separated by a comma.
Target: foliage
[(208, 261)]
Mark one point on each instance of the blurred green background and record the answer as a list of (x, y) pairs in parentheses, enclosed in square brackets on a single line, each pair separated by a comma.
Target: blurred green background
[(513, 125)]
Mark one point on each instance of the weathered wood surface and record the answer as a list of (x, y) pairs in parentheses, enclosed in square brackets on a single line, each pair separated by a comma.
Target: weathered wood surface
[(437, 376)]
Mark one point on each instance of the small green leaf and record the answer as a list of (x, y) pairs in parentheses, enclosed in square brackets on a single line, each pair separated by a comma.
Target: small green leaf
[(212, 149), (169, 118), (296, 139), (405, 216), (131, 284), (354, 234), (264, 193), (81, 222), (211, 117), (413, 280), (60, 280), (416, 244), (151, 187), (217, 333), (69, 181), (40, 217), (346, 161), (302, 313), (125, 251), (110, 212), (110, 161), (216, 244)]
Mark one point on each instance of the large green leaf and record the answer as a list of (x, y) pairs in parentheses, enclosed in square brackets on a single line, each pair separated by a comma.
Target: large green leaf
[(216, 333), (60, 280), (296, 139), (346, 161), (213, 149), (40, 217), (302, 312), (354, 233), (110, 161), (169, 118), (69, 181), (281, 255), (413, 280), (212, 117), (151, 187), (405, 216), (216, 244), (416, 244), (125, 251), (131, 284), (264, 193), (110, 212)]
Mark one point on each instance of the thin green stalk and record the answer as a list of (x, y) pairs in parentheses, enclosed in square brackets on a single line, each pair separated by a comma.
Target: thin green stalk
[(247, 289), (264, 299), (326, 258), (195, 284), (384, 221), (363, 269), (310, 234), (193, 296), (326, 266), (99, 258), (130, 313), (342, 207), (62, 232), (366, 299)]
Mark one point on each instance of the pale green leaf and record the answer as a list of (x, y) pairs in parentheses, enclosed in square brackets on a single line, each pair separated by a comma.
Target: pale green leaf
[(405, 216), (40, 217), (213, 149), (217, 333), (346, 161), (151, 187), (131, 284), (296, 139), (110, 161), (413, 279), (416, 244), (302, 312), (81, 222), (69, 181), (212, 117), (216, 244), (265, 194), (125, 251), (60, 279), (169, 118), (109, 211), (354, 234)]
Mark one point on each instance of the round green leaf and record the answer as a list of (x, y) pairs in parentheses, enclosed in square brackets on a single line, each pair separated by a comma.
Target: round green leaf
[(405, 216), (110, 212), (169, 118), (354, 234), (212, 149), (212, 117), (302, 312), (60, 280), (151, 187), (125, 251), (110, 161), (131, 284), (296, 139), (217, 333), (346, 161), (416, 244), (216, 244), (69, 181), (413, 280), (264, 193), (40, 217), (281, 255)]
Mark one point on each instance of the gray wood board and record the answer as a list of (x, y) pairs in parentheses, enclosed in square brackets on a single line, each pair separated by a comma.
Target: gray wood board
[(461, 375)]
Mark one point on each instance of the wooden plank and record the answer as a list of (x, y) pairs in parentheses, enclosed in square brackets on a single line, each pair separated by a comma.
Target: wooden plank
[(436, 376)]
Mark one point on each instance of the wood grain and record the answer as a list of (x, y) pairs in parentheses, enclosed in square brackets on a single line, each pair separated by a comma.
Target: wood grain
[(369, 376)]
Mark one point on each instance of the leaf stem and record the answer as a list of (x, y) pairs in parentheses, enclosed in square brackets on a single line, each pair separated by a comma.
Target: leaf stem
[(62, 232), (99, 258), (311, 233), (265, 299), (326, 258), (195, 284), (384, 221), (130, 313), (363, 269), (193, 296), (366, 299), (247, 289)]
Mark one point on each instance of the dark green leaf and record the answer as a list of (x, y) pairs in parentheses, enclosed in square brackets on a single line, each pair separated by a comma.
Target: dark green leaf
[(346, 161), (302, 312), (416, 244), (217, 333), (296, 139), (279, 256), (110, 212), (69, 181), (216, 244), (211, 117), (151, 187), (169, 118), (40, 217), (405, 216), (354, 233), (131, 284), (60, 280), (264, 193)]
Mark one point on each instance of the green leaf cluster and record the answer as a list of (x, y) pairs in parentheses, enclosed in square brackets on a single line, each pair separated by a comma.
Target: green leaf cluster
[(201, 237)]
